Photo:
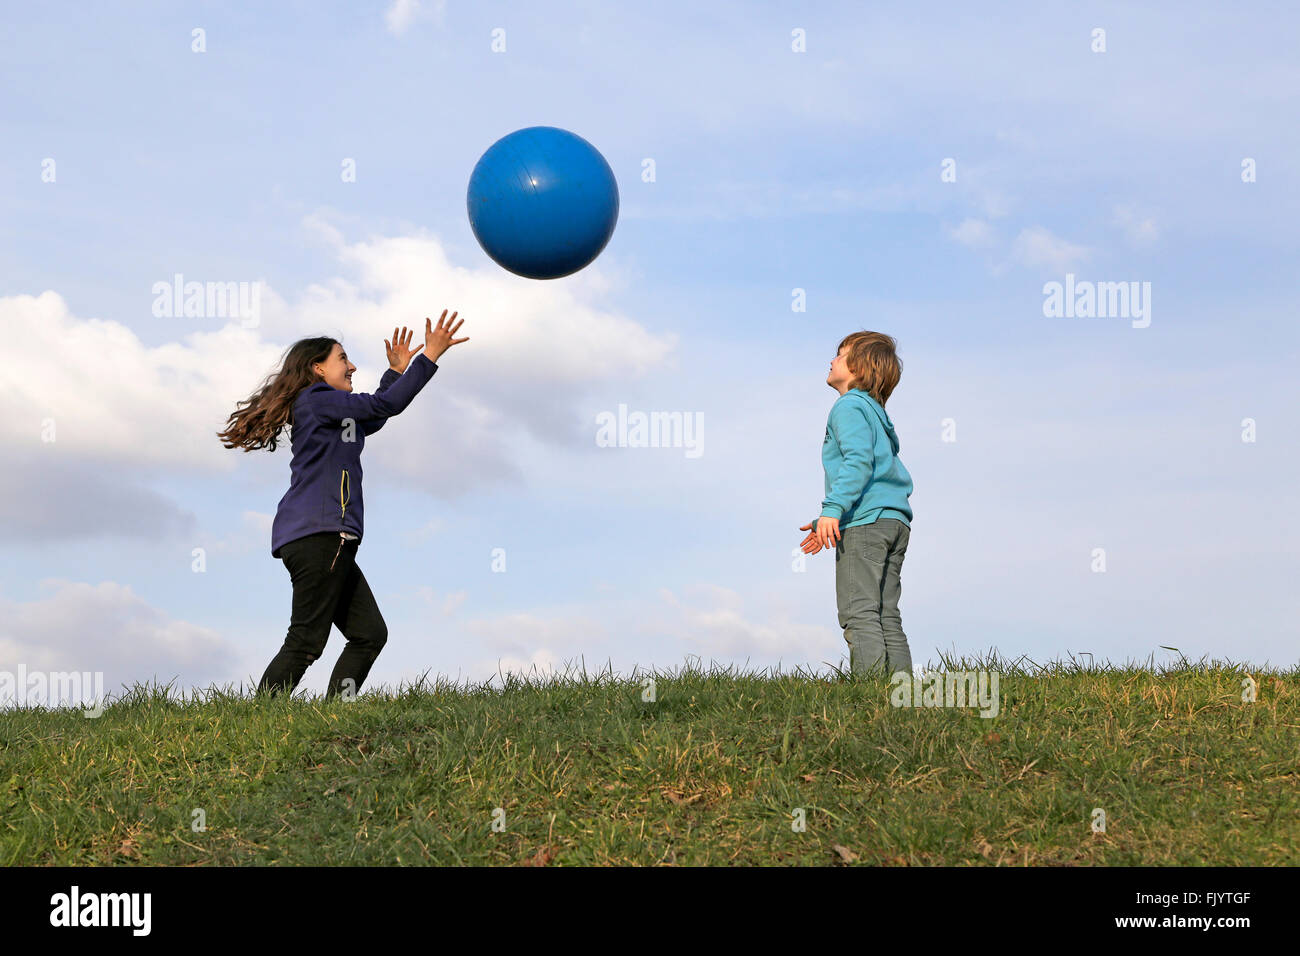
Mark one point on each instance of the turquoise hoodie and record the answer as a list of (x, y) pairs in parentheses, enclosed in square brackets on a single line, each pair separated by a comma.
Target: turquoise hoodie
[(864, 478)]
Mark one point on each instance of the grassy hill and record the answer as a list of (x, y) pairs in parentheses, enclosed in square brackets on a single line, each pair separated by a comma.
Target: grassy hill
[(715, 770)]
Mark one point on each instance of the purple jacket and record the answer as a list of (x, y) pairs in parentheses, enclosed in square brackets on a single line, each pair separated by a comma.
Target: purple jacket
[(329, 431)]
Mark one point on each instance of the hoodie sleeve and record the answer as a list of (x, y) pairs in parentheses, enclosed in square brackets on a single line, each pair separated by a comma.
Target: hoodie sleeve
[(371, 425), (855, 435), (332, 406)]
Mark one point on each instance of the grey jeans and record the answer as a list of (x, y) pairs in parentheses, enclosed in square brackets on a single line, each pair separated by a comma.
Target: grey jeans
[(868, 562)]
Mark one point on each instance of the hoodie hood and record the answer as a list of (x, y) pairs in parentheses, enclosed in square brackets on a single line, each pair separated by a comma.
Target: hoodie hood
[(881, 415)]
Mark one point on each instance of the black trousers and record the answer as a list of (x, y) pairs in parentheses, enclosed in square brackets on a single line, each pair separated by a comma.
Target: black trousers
[(328, 589)]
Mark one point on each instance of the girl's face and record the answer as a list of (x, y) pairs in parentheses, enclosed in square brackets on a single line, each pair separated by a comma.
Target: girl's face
[(840, 376), (336, 370)]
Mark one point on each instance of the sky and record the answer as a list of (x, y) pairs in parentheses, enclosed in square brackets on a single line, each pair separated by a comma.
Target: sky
[(1111, 485)]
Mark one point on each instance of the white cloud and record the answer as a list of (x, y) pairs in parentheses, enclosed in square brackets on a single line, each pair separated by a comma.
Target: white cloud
[(51, 494), (106, 627), (531, 332), (996, 204), (1019, 138), (451, 601), (402, 13), (122, 410), (111, 398), (1036, 246), (1139, 230), (421, 533), (542, 643), (252, 534), (535, 349), (712, 620), (972, 232), (516, 632)]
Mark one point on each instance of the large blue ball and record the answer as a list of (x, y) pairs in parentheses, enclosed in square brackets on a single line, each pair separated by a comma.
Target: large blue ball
[(542, 202)]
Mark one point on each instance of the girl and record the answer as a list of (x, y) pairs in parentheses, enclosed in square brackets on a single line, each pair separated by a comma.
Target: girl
[(318, 524)]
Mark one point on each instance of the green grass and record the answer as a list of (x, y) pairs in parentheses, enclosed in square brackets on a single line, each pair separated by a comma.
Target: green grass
[(709, 773)]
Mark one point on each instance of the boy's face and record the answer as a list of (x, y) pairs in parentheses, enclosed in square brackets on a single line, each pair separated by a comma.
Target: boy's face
[(840, 376)]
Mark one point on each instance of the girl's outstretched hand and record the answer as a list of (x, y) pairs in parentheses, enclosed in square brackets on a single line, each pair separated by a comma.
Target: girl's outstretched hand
[(810, 544), (400, 352), (437, 341)]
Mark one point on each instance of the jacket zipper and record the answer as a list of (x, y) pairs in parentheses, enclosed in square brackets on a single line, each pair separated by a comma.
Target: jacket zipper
[(343, 510)]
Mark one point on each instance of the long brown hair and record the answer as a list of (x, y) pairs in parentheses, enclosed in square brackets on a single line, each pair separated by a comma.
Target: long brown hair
[(874, 363), (257, 422)]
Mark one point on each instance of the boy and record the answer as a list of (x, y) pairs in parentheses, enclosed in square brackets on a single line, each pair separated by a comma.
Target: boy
[(865, 514)]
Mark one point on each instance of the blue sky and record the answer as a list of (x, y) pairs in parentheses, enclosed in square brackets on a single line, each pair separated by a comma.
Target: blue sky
[(775, 170)]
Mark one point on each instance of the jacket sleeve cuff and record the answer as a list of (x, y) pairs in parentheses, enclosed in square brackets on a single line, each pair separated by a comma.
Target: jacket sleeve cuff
[(832, 511)]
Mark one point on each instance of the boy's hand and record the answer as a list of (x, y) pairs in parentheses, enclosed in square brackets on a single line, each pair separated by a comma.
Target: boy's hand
[(810, 544), (828, 531)]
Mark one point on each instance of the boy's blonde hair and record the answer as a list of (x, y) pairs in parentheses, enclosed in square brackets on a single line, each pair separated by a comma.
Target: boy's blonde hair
[(873, 362)]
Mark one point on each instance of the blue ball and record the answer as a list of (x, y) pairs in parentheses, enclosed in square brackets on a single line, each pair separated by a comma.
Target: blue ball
[(542, 202)]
